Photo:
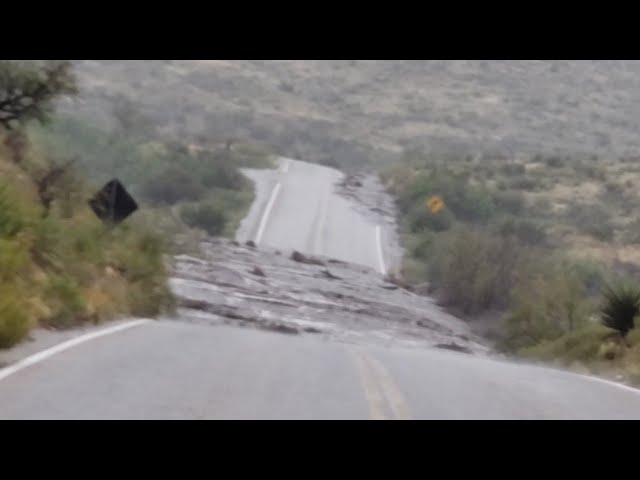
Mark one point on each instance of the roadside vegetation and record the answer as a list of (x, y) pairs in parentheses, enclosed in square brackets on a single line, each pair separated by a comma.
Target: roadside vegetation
[(60, 266), (539, 254), (186, 191)]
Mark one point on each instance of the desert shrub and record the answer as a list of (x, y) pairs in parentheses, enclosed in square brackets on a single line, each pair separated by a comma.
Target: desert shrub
[(171, 186), (473, 269), (14, 323), (546, 302), (554, 162), (420, 218), (581, 345), (65, 296), (512, 169), (593, 220), (205, 216), (527, 231), (509, 202)]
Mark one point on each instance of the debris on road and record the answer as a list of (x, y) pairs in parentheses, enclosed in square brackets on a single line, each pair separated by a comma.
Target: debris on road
[(258, 272), (299, 257), (454, 347), (220, 288), (329, 275)]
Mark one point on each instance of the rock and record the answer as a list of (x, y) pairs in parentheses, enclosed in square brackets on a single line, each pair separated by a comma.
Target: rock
[(235, 243), (250, 244), (397, 281), (257, 271), (338, 262), (299, 257), (453, 346), (311, 330), (282, 329), (330, 275)]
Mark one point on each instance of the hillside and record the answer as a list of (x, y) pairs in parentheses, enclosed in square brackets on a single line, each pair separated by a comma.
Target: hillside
[(349, 112)]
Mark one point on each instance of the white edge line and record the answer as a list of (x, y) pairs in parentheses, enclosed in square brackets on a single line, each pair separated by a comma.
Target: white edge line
[(383, 269), (43, 355), (609, 382), (267, 212), (548, 368)]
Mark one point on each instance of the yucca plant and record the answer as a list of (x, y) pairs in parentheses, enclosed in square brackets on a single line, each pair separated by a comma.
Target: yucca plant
[(620, 307)]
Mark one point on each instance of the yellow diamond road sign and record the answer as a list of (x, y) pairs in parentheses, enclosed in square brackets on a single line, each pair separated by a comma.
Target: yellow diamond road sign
[(435, 204)]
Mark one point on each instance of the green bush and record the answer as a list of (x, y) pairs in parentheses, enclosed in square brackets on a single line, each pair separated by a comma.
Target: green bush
[(555, 162), (595, 172), (65, 294), (204, 216), (601, 231), (421, 246), (172, 185), (632, 232), (421, 218), (474, 270), (234, 204), (512, 169), (592, 220), (526, 183), (472, 204), (613, 188), (222, 176), (466, 202), (546, 302), (14, 324), (542, 207), (582, 345), (509, 202), (527, 231), (592, 275), (14, 259), (11, 222)]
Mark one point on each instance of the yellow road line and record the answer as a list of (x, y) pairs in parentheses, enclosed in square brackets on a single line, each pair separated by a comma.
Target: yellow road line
[(396, 400), (382, 393), (375, 397)]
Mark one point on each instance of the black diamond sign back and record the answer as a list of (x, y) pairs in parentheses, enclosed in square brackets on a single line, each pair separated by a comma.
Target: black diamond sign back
[(113, 203)]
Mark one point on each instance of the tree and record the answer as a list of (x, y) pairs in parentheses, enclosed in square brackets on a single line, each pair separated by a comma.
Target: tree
[(28, 90)]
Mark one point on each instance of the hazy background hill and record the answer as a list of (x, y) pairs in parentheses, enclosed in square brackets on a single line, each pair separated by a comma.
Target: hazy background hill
[(348, 111)]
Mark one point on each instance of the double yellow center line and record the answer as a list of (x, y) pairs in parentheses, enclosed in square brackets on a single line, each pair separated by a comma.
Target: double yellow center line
[(386, 402)]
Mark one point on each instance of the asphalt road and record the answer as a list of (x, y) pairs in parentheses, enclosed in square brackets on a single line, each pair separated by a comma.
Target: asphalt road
[(298, 209), (175, 370), (171, 370)]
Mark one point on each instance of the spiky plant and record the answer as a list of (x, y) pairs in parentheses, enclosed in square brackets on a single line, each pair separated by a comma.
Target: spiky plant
[(620, 307)]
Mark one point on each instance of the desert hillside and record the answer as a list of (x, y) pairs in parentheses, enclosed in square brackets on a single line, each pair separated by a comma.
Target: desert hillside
[(350, 112)]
